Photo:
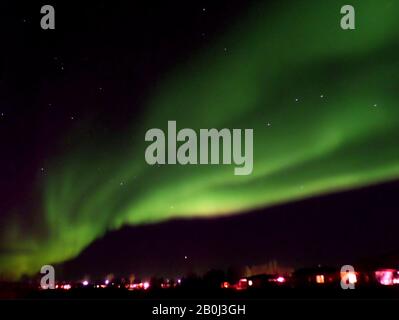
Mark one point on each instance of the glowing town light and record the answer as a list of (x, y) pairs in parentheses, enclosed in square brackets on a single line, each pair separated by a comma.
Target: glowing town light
[(106, 282), (131, 287), (385, 277), (85, 283), (352, 277), (178, 281), (242, 284), (67, 287), (348, 277), (250, 283), (146, 285), (225, 285), (320, 278), (280, 279)]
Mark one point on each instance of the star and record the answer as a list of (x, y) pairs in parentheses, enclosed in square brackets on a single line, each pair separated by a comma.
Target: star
[(121, 184), (375, 105), (322, 96), (269, 124), (203, 9), (72, 118), (296, 99)]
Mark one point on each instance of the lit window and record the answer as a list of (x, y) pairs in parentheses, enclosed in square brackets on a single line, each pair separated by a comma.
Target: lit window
[(320, 278)]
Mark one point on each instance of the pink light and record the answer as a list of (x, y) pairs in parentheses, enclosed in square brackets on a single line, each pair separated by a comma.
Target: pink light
[(132, 286), (280, 279), (67, 287), (241, 285), (385, 277), (107, 282), (146, 285), (85, 283)]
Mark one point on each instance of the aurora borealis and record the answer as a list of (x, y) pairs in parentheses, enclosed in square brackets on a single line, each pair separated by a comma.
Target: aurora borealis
[(322, 103)]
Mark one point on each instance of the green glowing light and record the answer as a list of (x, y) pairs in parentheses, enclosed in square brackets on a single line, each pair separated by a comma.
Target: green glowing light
[(323, 104)]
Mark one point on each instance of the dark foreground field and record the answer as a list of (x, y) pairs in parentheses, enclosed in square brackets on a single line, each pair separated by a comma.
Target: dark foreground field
[(217, 294)]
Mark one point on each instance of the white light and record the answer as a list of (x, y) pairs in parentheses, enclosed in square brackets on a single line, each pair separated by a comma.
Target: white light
[(146, 285), (352, 277), (85, 283), (107, 282), (250, 283)]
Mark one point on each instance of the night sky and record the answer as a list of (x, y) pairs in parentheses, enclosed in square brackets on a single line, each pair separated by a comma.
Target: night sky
[(75, 104)]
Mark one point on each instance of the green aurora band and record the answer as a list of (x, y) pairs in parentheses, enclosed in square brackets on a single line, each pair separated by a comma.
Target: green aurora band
[(334, 138)]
